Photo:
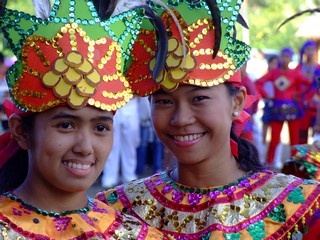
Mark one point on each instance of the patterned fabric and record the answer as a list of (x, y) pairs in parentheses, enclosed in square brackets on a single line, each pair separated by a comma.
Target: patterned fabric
[(262, 205), (101, 222)]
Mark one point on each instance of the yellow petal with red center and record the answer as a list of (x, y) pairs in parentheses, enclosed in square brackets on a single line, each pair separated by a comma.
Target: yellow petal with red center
[(173, 62), (72, 77), (177, 75), (50, 79), (62, 90), (94, 78), (60, 67), (85, 68), (173, 44), (168, 85), (190, 63), (85, 89), (76, 101), (74, 59)]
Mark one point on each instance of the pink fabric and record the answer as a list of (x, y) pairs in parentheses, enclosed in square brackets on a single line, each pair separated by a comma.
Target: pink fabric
[(8, 148), (8, 145), (240, 122)]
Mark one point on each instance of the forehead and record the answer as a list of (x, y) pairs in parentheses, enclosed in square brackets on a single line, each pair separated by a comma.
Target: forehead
[(85, 113), (186, 90)]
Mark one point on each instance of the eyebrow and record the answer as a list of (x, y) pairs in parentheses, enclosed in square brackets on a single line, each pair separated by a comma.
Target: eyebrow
[(193, 89), (70, 116)]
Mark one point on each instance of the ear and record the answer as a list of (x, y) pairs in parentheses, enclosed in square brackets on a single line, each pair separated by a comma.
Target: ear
[(18, 132), (239, 100)]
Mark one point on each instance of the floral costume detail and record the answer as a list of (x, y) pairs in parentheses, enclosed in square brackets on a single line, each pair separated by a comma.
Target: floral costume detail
[(261, 205), (99, 222), (73, 57), (306, 162), (195, 64)]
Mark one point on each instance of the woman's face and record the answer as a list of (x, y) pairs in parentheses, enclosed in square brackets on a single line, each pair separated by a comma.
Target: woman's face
[(310, 52), (194, 122), (68, 148)]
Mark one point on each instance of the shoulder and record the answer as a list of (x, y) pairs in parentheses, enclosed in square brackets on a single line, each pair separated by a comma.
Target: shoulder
[(120, 196)]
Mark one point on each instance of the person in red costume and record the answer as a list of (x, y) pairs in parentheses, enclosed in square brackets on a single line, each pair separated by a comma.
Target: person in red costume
[(287, 91), (309, 67), (248, 83)]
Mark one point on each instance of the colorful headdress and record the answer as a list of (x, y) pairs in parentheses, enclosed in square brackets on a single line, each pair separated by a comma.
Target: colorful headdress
[(73, 57), (192, 41)]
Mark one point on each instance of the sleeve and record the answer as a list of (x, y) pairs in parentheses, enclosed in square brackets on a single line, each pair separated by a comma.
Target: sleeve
[(269, 76), (304, 83)]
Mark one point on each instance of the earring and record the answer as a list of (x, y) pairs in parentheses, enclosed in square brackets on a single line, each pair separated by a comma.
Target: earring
[(235, 114)]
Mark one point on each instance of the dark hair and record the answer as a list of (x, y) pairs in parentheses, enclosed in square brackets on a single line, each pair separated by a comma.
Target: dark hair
[(15, 170), (249, 158)]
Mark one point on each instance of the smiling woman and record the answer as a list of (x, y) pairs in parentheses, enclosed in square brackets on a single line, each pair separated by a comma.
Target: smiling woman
[(219, 189), (65, 88)]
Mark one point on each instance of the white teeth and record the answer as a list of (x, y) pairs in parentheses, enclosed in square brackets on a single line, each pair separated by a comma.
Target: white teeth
[(188, 138), (77, 165)]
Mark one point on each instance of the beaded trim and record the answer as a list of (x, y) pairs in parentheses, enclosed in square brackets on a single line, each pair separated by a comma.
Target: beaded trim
[(240, 182), (84, 210)]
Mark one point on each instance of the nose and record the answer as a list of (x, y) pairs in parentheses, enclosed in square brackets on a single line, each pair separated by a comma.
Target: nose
[(83, 144), (182, 115)]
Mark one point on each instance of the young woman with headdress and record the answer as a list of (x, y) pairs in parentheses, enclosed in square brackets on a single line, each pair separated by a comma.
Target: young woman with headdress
[(66, 86), (219, 189)]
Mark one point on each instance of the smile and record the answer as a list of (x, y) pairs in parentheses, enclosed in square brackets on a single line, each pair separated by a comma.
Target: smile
[(77, 165), (188, 138)]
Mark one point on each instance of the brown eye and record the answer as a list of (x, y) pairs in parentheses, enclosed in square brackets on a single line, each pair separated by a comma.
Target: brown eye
[(65, 125), (102, 128)]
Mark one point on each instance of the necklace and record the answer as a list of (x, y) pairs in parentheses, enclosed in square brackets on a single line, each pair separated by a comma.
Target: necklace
[(240, 182), (84, 210)]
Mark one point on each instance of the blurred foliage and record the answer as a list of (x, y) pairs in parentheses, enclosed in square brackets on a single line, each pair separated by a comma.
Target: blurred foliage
[(265, 16)]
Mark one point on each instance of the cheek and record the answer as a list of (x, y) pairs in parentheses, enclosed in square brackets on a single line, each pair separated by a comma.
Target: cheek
[(157, 121), (103, 148)]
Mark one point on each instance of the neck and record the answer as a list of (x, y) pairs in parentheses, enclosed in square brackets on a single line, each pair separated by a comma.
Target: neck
[(51, 199), (216, 173)]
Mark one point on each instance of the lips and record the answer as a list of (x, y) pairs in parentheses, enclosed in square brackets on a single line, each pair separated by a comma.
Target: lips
[(188, 138)]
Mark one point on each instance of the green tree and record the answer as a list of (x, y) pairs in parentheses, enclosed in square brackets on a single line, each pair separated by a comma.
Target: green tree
[(265, 16)]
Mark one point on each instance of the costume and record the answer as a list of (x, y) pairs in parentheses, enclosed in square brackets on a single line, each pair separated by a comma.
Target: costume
[(261, 205), (97, 221), (310, 98), (285, 104), (306, 162)]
